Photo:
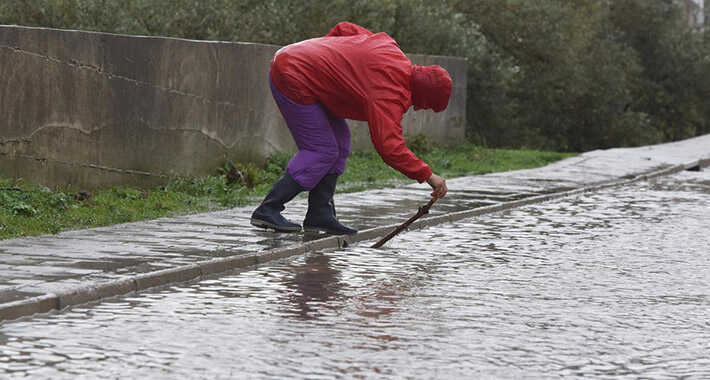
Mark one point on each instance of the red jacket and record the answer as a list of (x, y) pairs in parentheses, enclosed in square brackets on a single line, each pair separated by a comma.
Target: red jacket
[(358, 75)]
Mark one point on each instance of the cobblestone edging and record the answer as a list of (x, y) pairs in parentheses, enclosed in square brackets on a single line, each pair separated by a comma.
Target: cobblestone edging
[(93, 292)]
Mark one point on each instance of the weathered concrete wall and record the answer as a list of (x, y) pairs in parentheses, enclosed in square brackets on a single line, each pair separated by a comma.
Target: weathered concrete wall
[(96, 109)]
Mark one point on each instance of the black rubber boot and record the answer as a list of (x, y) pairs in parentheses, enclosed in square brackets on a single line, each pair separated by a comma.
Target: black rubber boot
[(268, 214), (321, 209)]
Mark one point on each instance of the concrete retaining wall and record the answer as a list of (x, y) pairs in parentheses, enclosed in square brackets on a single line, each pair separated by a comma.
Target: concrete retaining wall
[(96, 109)]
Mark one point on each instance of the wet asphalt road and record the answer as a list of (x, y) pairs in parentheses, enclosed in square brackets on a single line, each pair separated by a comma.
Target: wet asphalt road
[(611, 284)]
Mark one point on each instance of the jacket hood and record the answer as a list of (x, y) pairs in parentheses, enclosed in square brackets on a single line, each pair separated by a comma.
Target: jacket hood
[(431, 87)]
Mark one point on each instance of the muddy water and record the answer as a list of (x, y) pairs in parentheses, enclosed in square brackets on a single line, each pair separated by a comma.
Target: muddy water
[(613, 284)]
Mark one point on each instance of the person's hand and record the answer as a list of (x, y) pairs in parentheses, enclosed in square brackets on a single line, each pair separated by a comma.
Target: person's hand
[(439, 185)]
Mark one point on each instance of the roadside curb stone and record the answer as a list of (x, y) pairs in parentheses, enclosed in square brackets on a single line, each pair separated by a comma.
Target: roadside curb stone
[(167, 276), (34, 305), (94, 292)]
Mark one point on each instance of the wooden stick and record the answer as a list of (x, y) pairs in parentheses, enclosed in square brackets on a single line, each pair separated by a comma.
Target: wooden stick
[(422, 210)]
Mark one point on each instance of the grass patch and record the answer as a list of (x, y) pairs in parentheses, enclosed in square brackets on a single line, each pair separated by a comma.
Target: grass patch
[(366, 170), (28, 209)]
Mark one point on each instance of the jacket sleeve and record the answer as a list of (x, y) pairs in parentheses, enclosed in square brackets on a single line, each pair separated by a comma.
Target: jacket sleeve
[(344, 29), (386, 134)]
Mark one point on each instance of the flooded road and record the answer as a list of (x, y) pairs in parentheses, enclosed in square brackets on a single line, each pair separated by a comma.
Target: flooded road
[(612, 284)]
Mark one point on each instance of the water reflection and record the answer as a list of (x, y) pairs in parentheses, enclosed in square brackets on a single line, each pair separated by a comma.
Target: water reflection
[(311, 285)]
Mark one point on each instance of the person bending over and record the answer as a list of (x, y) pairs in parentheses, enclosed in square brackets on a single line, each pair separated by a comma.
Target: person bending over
[(351, 73)]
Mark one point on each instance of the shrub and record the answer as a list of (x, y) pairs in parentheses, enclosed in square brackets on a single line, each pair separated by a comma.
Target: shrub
[(557, 74), (674, 86)]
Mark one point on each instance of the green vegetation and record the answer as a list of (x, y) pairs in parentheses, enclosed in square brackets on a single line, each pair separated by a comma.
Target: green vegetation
[(28, 209), (546, 74)]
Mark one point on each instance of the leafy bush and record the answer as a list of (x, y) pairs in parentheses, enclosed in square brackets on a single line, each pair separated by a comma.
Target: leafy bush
[(558, 74), (675, 84)]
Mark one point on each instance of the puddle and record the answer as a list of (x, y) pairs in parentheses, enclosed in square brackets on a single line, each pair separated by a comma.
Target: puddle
[(611, 284)]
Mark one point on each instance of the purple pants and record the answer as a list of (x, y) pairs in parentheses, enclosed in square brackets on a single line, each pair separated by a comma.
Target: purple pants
[(323, 140)]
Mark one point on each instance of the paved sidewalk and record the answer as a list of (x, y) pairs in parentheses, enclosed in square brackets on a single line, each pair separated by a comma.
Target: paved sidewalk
[(52, 264)]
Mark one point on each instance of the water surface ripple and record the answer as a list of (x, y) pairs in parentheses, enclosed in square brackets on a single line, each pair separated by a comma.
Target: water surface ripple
[(612, 284)]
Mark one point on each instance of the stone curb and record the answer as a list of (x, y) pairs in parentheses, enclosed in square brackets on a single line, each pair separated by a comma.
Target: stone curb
[(94, 292)]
